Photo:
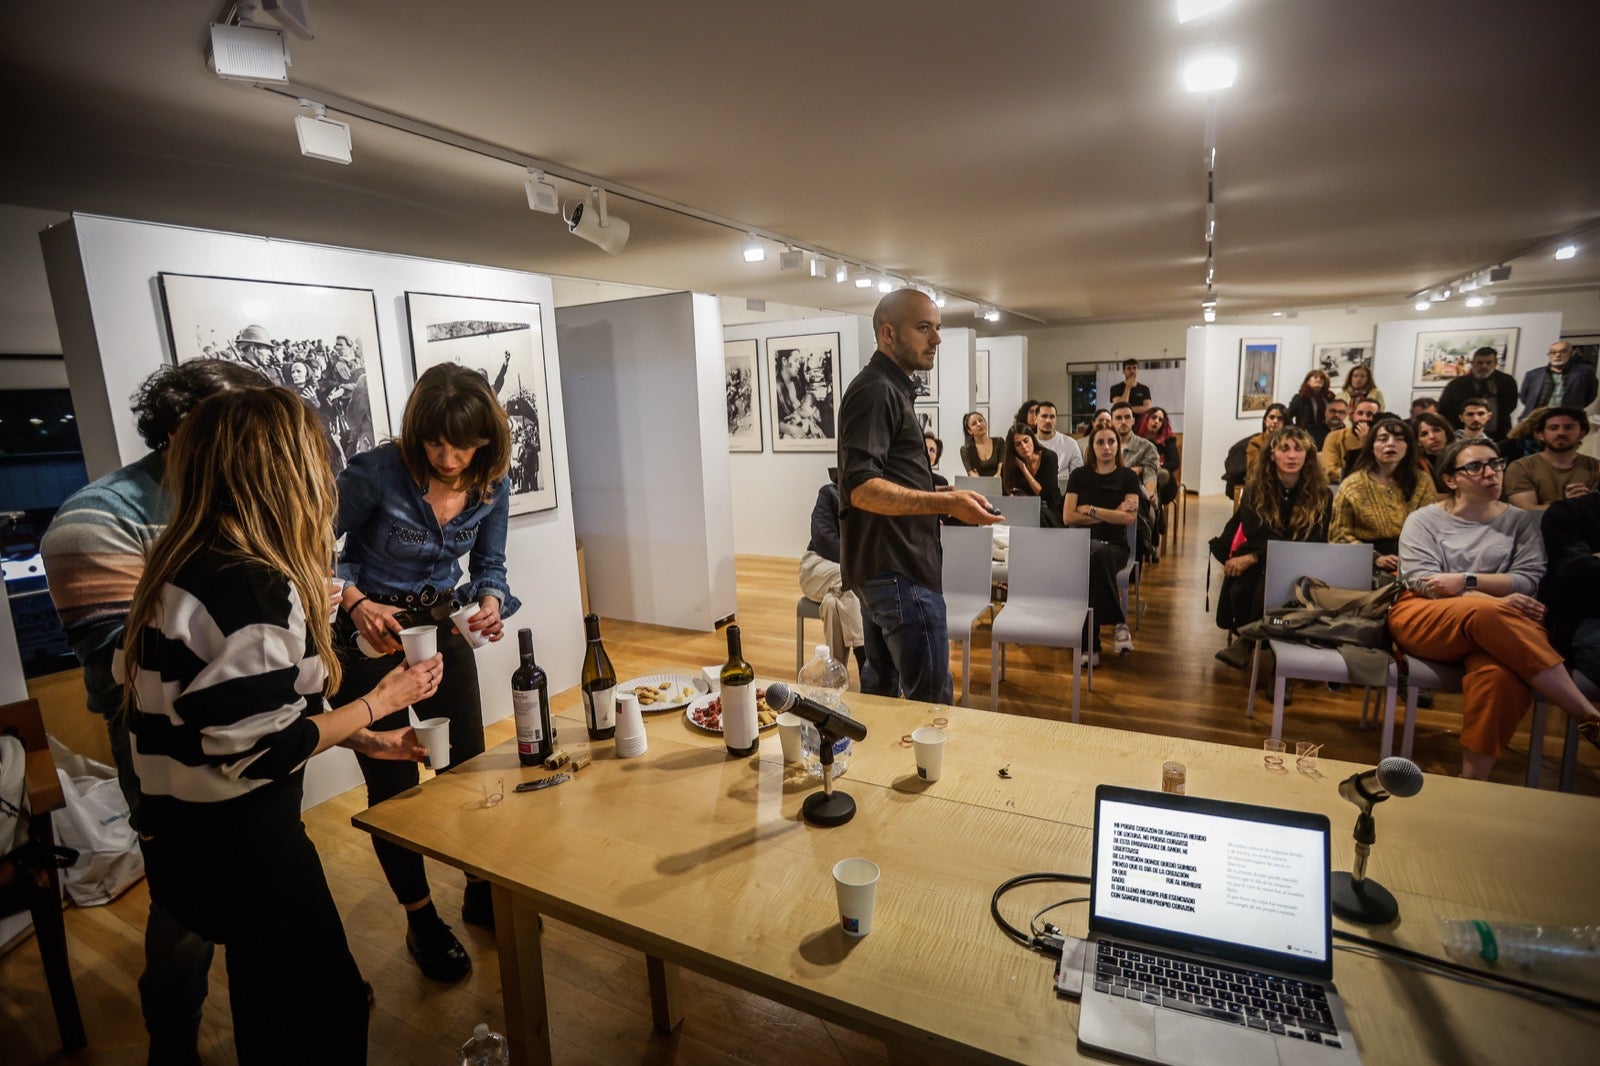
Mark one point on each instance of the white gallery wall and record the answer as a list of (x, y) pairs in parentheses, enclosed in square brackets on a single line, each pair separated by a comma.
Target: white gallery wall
[(1394, 358), (1008, 380), (775, 491), (646, 419), (108, 310), (1212, 393), (957, 351)]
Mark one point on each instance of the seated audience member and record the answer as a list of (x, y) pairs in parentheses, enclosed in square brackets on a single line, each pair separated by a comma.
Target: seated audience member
[(1559, 383), (1473, 564), (1103, 495), (1383, 488), (1156, 428), (935, 448), (1433, 435), (981, 455), (1358, 386), (1285, 498), (1338, 449), (820, 582), (1338, 413), (1523, 440), (1475, 416), (1139, 455), (1032, 471), (1028, 415), (1571, 587), (1422, 404), (1483, 381), (1309, 406), (1272, 420), (1559, 472), (1129, 390), (1068, 456)]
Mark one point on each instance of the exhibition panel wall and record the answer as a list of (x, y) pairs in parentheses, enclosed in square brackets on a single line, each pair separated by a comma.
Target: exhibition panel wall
[(107, 294), (1401, 344), (1222, 379), (649, 460), (1008, 381)]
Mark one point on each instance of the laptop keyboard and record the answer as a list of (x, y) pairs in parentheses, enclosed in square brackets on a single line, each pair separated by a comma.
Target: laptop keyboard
[(1249, 998)]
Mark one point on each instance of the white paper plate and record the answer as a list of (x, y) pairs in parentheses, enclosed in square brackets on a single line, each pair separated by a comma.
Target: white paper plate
[(672, 698), (702, 701)]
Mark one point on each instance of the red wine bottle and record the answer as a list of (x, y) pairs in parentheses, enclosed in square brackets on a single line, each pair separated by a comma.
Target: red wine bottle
[(530, 705)]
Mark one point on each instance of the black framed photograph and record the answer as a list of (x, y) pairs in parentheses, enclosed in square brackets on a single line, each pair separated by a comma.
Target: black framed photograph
[(980, 376), (319, 340), (1258, 375), (739, 360), (927, 384), (1338, 359), (504, 341), (928, 416), (803, 387)]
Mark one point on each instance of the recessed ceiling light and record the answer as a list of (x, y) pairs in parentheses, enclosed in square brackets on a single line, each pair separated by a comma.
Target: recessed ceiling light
[(1566, 251), (1209, 71)]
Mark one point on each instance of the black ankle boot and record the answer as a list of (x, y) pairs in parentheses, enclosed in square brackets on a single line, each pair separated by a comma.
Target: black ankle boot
[(477, 905)]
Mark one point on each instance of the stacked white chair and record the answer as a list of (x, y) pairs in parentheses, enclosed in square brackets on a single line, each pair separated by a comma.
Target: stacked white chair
[(1047, 601)]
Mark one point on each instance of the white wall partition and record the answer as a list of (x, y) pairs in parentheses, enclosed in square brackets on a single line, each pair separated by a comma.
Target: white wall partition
[(643, 385), (1211, 397), (108, 310), (1395, 353), (1008, 379), (776, 490)]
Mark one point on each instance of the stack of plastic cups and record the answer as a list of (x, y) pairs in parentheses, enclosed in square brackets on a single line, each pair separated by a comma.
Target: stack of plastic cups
[(630, 736)]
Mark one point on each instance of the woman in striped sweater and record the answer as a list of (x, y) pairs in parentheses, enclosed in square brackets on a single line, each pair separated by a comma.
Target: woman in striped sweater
[(228, 654)]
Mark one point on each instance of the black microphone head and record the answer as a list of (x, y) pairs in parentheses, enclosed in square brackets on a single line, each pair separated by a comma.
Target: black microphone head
[(780, 697), (1396, 776)]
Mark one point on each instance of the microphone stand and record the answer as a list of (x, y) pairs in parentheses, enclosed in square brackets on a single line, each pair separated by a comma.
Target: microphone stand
[(827, 808), (1354, 898)]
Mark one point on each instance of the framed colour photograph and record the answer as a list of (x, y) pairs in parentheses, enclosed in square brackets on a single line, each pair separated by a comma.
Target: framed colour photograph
[(803, 390), (1443, 355), (319, 340), (744, 403), (1338, 359), (1258, 375), (504, 341)]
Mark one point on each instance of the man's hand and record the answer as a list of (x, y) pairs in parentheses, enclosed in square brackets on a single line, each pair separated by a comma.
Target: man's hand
[(970, 507), (1576, 489)]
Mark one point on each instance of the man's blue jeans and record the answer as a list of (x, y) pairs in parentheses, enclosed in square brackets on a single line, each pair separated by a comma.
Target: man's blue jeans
[(907, 640)]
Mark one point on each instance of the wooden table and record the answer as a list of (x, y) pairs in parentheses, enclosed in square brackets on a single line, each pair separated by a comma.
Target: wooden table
[(700, 860)]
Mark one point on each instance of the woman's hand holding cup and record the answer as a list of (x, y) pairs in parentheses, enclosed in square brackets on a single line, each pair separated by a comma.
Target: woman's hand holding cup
[(407, 684)]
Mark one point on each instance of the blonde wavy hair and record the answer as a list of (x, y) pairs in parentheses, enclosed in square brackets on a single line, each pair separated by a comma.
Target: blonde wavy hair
[(249, 477), (1262, 490)]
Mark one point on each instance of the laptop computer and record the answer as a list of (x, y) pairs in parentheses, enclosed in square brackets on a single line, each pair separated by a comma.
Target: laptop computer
[(1211, 940)]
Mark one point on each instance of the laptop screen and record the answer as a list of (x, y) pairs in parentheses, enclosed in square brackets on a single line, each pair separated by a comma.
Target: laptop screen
[(1249, 884)]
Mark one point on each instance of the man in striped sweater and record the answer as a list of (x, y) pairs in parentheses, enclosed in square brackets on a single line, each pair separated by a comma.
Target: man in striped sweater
[(94, 553)]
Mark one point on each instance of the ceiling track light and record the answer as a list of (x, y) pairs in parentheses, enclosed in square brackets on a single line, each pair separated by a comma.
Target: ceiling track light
[(1209, 314), (819, 266), (1211, 223), (791, 259), (861, 277), (991, 314), (321, 137), (1474, 301), (841, 273), (542, 196), (1189, 10), (938, 299), (592, 221), (1209, 70), (886, 284), (1422, 304), (754, 250), (1566, 251)]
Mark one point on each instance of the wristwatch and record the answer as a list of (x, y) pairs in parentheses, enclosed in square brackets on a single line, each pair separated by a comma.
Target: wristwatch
[(1472, 581)]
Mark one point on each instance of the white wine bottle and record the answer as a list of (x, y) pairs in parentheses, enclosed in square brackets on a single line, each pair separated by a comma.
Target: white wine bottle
[(739, 726), (599, 684)]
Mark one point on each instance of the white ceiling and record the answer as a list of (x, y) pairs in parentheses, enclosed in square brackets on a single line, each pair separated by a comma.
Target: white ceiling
[(1039, 154)]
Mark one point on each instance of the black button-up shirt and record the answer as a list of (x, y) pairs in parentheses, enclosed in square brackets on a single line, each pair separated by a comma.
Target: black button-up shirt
[(880, 437)]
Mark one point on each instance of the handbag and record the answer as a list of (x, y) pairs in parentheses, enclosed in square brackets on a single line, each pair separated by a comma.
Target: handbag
[(1353, 622)]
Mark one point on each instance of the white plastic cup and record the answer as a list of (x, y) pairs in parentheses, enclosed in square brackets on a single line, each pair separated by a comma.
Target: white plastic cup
[(366, 647), (789, 732), (335, 590), (420, 642), (462, 619), (434, 734), (928, 743), (630, 724), (855, 881)]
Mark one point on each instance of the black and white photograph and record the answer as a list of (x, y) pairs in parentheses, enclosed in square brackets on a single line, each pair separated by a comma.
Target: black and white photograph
[(504, 341), (980, 376), (319, 340), (803, 383), (927, 384), (744, 404), (1337, 360), (929, 417)]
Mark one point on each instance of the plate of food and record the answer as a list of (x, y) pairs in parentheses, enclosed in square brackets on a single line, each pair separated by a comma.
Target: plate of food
[(664, 692), (706, 712)]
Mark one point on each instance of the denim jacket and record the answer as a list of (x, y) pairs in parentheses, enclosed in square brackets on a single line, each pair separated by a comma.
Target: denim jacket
[(395, 544)]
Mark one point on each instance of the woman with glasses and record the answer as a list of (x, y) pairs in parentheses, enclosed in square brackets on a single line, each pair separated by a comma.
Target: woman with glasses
[(1386, 484), (1472, 564)]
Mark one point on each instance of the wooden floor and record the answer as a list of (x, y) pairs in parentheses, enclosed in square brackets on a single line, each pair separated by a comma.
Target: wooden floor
[(1169, 685)]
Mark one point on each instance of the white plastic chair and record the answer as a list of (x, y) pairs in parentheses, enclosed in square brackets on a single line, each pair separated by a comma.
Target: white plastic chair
[(1342, 566), (1432, 676), (1047, 602), (988, 486), (1131, 575), (1021, 512), (967, 569)]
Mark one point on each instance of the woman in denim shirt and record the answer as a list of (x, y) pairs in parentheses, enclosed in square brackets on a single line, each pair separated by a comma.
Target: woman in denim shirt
[(409, 510)]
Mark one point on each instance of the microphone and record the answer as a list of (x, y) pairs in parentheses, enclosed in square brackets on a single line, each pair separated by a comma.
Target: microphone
[(1354, 897), (780, 697), (1393, 776)]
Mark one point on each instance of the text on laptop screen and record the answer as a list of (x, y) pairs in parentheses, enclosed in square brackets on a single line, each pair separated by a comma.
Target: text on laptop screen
[(1229, 879)]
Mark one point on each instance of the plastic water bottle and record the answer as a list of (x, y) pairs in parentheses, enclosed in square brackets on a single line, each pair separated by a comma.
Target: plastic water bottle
[(824, 679), (486, 1048), (1566, 949)]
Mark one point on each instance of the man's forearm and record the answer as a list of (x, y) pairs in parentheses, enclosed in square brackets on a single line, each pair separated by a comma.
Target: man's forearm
[(881, 496)]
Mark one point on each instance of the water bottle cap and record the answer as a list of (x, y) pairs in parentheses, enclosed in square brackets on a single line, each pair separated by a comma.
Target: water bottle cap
[(480, 1031), (822, 651)]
